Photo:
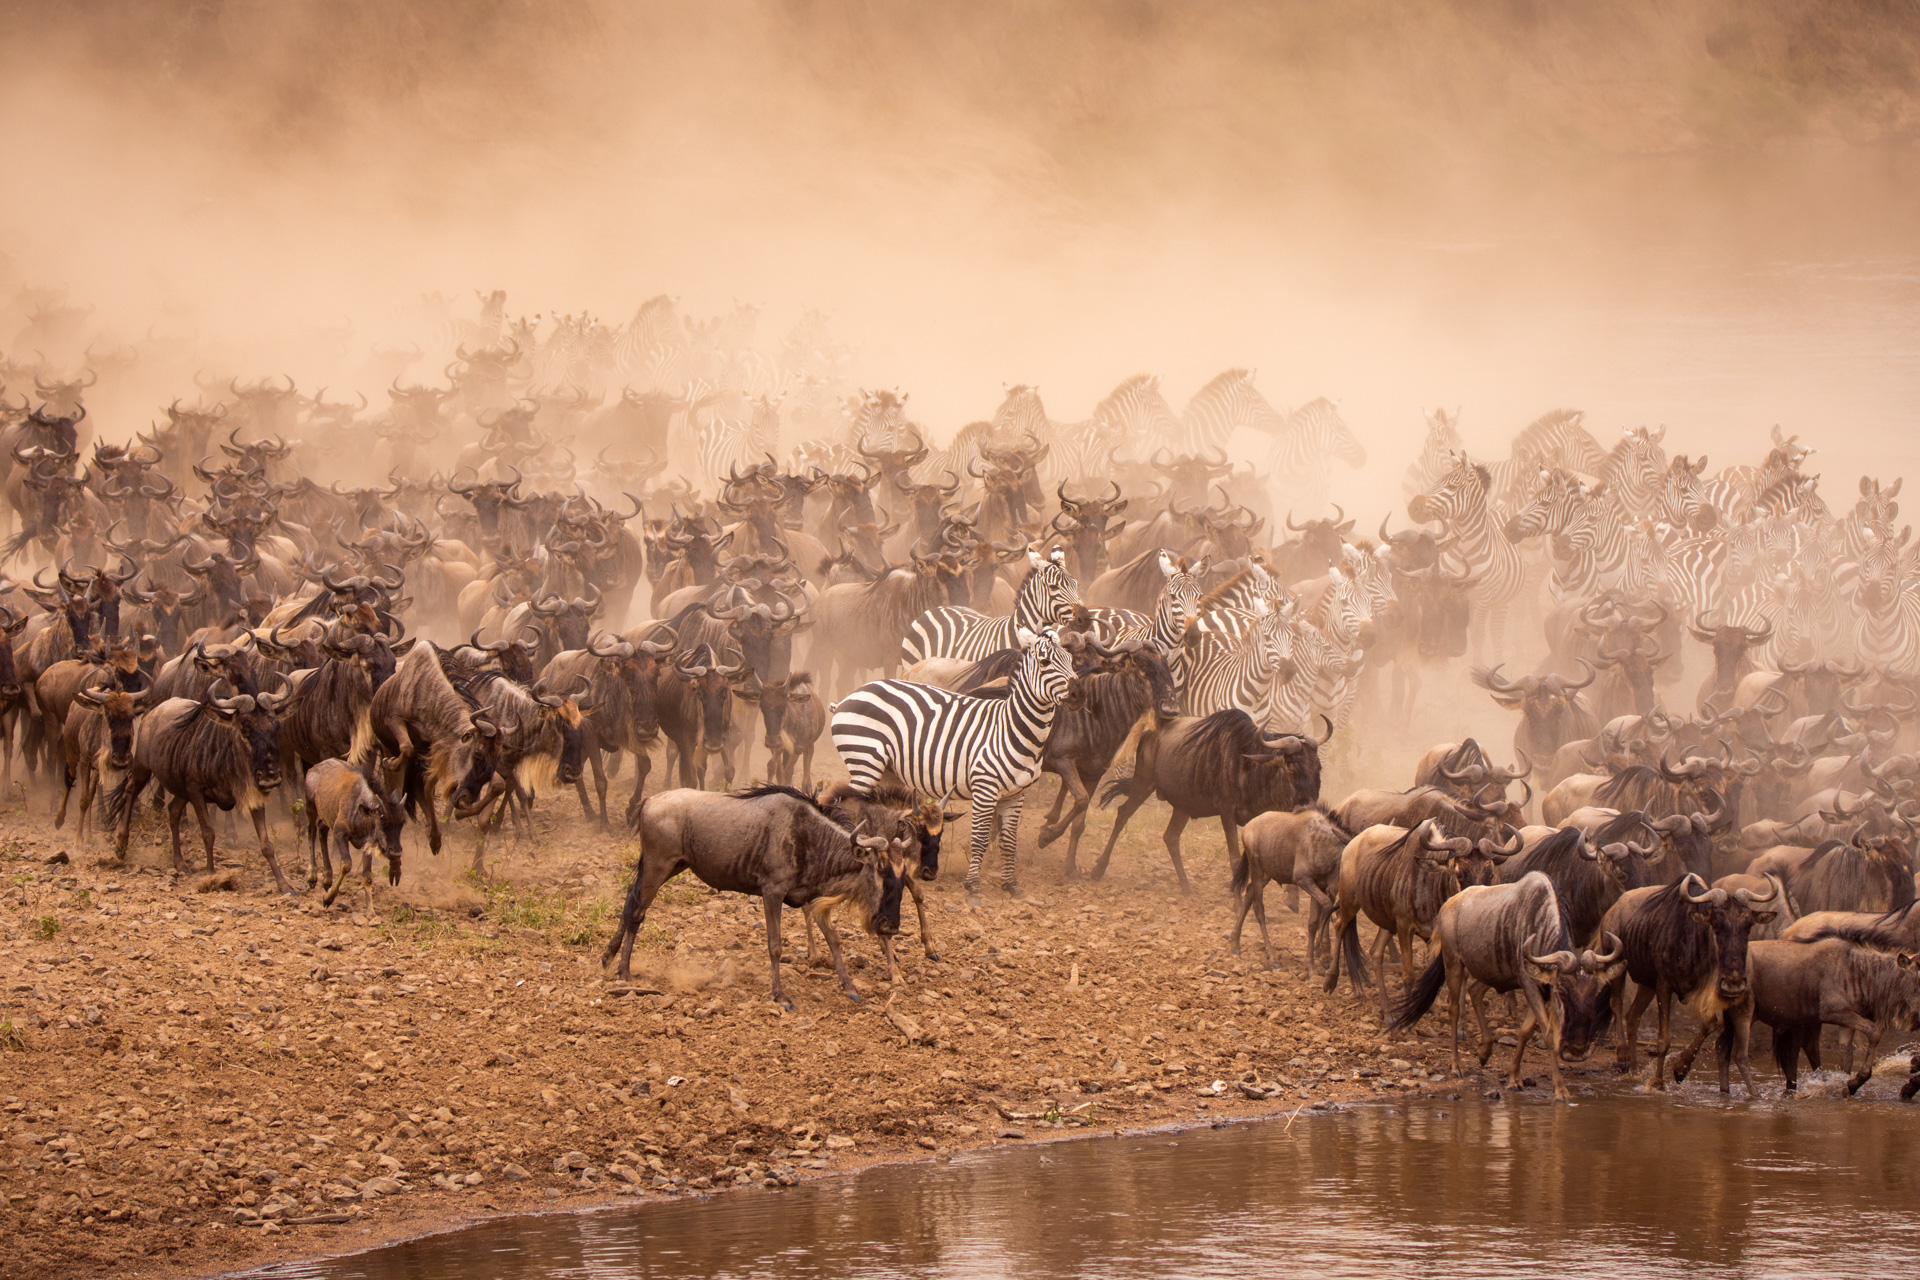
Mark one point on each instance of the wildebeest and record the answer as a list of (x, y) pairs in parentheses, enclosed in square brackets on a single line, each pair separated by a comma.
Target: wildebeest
[(1300, 849), (97, 736), (1587, 877), (1215, 766), (1508, 937), (1552, 710), (1398, 878), (346, 808), (794, 717), (1863, 873), (1689, 940), (221, 750), (1085, 739), (13, 695), (440, 746), (622, 682), (696, 711), (894, 812), (1462, 768), (772, 843), (1798, 987)]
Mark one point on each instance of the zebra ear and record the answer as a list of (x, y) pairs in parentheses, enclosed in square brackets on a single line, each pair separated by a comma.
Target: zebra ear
[(1166, 565), (1033, 558), (1024, 637)]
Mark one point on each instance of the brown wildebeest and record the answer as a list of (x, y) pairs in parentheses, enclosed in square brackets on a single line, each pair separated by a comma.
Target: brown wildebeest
[(794, 717), (1508, 937), (1462, 768), (223, 751), (1398, 878), (1798, 987), (1221, 766), (97, 735), (895, 812), (1689, 940), (440, 746), (346, 808), (1300, 849), (775, 844)]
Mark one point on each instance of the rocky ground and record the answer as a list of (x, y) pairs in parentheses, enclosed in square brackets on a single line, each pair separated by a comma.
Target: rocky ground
[(201, 1076)]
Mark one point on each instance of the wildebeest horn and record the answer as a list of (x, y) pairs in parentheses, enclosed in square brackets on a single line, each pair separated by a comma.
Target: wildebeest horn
[(1593, 961), (1323, 741), (1705, 894), (1749, 898), (1564, 961)]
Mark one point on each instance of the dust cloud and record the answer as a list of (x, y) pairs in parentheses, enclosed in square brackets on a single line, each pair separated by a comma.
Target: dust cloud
[(1697, 214)]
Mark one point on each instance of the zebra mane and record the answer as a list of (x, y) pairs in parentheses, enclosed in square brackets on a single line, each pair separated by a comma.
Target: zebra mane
[(994, 666), (1222, 380)]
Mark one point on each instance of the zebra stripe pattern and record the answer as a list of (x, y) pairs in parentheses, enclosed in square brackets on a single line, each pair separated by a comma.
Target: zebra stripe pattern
[(1046, 599), (947, 744)]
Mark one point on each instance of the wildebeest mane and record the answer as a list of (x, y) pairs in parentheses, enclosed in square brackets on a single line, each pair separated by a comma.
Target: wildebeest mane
[(775, 789)]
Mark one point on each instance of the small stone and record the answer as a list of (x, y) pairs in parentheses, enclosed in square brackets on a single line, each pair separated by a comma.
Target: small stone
[(244, 1216), (1010, 1133), (571, 1160), (514, 1173), (837, 1143), (928, 1143), (473, 1179), (624, 1173), (373, 1062)]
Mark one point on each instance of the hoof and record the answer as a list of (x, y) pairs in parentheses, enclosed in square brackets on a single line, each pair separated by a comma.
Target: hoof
[(855, 997), (972, 886), (1013, 889), (785, 1004), (1072, 877), (934, 956)]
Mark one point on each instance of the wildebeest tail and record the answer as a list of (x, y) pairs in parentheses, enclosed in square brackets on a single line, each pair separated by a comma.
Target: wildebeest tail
[(629, 910), (1242, 872), (1350, 948), (1420, 997), (1114, 790)]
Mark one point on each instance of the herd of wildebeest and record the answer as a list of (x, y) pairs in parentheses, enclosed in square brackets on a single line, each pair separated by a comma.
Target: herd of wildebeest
[(195, 617)]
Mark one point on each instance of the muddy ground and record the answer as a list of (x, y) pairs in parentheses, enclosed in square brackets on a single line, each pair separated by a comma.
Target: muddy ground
[(201, 1076)]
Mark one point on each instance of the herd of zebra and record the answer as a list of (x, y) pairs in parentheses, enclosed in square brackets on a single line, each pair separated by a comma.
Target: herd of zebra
[(196, 610)]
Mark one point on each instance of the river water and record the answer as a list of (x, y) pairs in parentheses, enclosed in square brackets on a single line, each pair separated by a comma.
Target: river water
[(1609, 1186)]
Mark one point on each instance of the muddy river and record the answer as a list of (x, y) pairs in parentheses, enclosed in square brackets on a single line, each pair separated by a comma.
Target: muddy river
[(1610, 1186)]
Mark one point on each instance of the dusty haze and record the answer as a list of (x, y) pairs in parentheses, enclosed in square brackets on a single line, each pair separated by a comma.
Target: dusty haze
[(1698, 214)]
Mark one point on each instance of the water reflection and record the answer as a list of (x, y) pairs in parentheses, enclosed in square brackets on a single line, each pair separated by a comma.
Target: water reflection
[(1612, 1186)]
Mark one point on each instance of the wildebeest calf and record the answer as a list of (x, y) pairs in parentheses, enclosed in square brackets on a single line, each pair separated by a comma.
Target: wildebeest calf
[(346, 808), (1798, 987), (1299, 849), (773, 843), (97, 735)]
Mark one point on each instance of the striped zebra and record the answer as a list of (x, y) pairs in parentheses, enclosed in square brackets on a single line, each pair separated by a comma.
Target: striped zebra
[(959, 454), (1338, 615), (727, 446), (1321, 672), (1459, 502), (1179, 604), (1887, 607), (1558, 438), (1228, 402), (1233, 660), (878, 420), (1871, 518), (1590, 533), (1305, 447), (951, 744), (650, 350), (1047, 598), (1136, 417), (1436, 453), (1636, 471), (1251, 589)]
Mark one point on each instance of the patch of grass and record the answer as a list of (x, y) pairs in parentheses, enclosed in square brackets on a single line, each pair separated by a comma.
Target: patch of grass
[(13, 1039), (683, 891), (83, 898), (45, 927), (556, 916)]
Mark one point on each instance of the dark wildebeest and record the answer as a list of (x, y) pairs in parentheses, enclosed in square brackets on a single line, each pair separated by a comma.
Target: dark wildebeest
[(1863, 873), (1085, 739), (540, 740), (1398, 878), (222, 750), (794, 717), (1588, 875), (346, 808), (1300, 849), (13, 695), (1462, 769), (1688, 940), (97, 736), (1220, 766), (695, 701), (328, 715), (774, 844), (622, 678), (895, 812), (438, 744), (1552, 710), (1508, 937), (1472, 817), (1798, 987)]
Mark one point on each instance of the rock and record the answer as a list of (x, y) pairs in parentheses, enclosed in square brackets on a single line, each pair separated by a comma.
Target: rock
[(928, 1143), (472, 1179), (837, 1143), (373, 1062), (514, 1173), (571, 1160), (1399, 1064), (244, 1217), (624, 1173), (1010, 1133), (381, 1187)]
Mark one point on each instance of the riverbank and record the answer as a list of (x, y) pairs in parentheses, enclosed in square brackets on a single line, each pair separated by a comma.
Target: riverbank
[(205, 1078)]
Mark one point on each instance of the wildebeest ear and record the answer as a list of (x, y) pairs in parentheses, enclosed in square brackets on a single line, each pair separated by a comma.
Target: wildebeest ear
[(1761, 917), (1902, 959)]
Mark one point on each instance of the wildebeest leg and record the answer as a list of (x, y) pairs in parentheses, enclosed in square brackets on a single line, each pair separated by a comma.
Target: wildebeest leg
[(176, 810), (1231, 831), (66, 793), (1738, 1038), (1319, 915), (1251, 894), (599, 785), (427, 807), (1683, 1064), (920, 909), (205, 820), (89, 783), (770, 903), (824, 917), (1869, 1036), (806, 765), (1171, 839), (647, 879), (1630, 1024), (893, 970), (1786, 1054), (259, 816), (1456, 980), (1540, 1014), (337, 842), (642, 766), (1665, 1040), (1137, 796), (1070, 784), (1380, 968)]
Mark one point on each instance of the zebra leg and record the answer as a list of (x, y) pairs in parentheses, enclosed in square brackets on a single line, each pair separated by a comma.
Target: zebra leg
[(1007, 818), (985, 796)]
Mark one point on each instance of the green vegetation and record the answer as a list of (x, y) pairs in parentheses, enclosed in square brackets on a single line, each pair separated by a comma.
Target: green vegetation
[(555, 915), (45, 927)]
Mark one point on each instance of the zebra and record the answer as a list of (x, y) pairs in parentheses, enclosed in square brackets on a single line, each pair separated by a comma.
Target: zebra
[(1227, 402), (1558, 438), (878, 419), (1179, 604), (960, 453), (1233, 660), (1887, 606), (1436, 453), (1313, 434), (729, 446), (1251, 589), (1459, 502), (1342, 616), (1048, 597), (1636, 471), (1321, 672), (945, 744), (1589, 530), (1135, 416)]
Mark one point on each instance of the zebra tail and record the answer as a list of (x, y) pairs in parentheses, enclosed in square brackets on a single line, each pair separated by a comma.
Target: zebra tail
[(1420, 997), (1114, 790)]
